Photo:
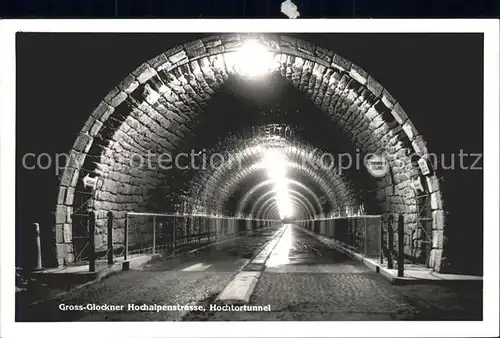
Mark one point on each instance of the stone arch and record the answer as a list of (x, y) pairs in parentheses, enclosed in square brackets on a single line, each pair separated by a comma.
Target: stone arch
[(244, 164), (265, 185), (153, 107)]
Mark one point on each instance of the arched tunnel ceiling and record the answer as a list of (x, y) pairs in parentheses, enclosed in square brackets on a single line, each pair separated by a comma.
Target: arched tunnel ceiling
[(243, 172), (159, 106)]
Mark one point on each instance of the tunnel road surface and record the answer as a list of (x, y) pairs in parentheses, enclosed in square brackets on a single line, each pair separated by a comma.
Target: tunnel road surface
[(303, 279)]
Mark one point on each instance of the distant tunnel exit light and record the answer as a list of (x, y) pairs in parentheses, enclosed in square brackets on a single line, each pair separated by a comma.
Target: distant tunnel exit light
[(276, 165)]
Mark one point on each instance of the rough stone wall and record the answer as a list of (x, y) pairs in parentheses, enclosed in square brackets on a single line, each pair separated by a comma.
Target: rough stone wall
[(152, 108)]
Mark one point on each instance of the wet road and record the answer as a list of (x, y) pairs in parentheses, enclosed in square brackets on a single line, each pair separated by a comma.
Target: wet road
[(307, 280), (299, 252), (303, 279)]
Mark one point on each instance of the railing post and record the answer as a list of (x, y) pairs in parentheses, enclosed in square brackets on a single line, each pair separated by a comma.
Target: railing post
[(366, 237), (92, 241), (401, 246), (173, 234), (390, 244), (217, 221), (381, 242), (154, 235), (213, 226), (38, 247), (125, 239), (110, 238), (199, 231), (411, 244)]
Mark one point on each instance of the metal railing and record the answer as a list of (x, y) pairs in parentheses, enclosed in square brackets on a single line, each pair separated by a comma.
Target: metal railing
[(361, 234), (390, 250), (149, 233), (152, 233), (366, 236)]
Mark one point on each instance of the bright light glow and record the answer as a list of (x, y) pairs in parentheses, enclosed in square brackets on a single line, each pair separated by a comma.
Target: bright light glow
[(276, 165), (254, 60)]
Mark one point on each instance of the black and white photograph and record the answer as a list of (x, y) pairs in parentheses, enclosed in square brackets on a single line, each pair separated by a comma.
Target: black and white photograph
[(257, 173)]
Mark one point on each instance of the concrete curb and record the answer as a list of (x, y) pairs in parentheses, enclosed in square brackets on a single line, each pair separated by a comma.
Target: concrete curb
[(241, 287), (261, 257), (384, 272)]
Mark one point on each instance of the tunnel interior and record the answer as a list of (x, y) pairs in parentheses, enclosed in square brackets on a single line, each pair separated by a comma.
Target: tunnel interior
[(275, 130), (242, 124)]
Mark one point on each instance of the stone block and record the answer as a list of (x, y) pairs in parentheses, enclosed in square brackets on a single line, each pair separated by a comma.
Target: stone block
[(410, 218), (437, 239), (103, 111), (436, 202), (129, 84), (212, 41), (177, 56), (61, 250), (399, 114), (59, 233), (60, 214), (83, 143), (341, 63), (373, 86), (324, 54), (438, 219), (420, 146), (67, 233), (70, 196), (100, 240), (358, 73), (96, 127), (115, 97), (388, 100), (70, 258), (112, 93), (88, 124), (69, 214), (435, 259), (432, 183), (67, 177), (195, 49), (61, 195), (159, 62), (305, 47), (74, 178), (377, 122), (371, 113), (143, 73), (75, 159), (409, 130)]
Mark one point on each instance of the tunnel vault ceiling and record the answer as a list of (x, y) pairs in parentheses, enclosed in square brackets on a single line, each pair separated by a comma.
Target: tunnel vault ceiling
[(167, 103)]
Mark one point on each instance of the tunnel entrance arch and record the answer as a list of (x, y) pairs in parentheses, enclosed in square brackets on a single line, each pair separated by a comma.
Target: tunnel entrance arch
[(154, 106)]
